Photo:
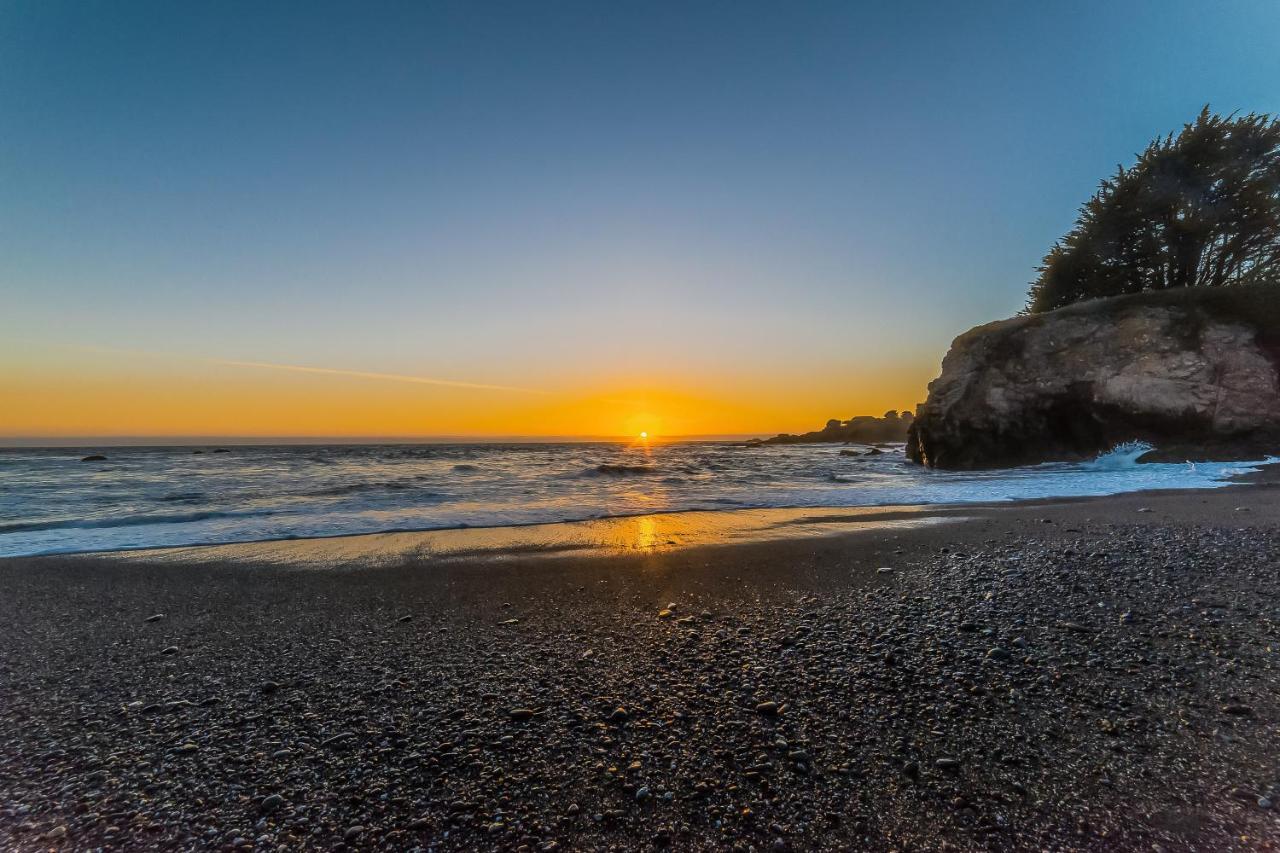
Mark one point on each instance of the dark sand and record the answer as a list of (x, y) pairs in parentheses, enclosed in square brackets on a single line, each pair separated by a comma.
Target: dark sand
[(1075, 675)]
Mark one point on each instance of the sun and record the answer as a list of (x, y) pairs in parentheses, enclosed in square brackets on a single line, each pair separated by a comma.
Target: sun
[(643, 436)]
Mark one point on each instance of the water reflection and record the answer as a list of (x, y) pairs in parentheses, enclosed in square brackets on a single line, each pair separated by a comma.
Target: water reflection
[(643, 533)]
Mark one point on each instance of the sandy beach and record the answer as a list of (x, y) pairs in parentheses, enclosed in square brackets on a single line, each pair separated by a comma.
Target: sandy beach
[(1077, 675)]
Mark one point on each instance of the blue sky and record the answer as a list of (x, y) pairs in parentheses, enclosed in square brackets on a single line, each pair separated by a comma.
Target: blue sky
[(563, 195)]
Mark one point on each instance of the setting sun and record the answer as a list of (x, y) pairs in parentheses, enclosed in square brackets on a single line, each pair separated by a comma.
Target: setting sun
[(644, 435)]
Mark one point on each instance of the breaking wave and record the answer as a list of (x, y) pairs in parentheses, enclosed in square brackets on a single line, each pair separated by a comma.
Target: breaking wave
[(126, 521), (610, 469), (401, 485), (1120, 457)]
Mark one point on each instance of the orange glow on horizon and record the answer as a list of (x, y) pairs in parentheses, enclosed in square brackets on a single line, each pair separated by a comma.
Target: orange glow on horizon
[(68, 394)]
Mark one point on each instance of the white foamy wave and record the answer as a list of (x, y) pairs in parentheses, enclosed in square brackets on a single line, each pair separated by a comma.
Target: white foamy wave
[(1123, 456), (123, 521)]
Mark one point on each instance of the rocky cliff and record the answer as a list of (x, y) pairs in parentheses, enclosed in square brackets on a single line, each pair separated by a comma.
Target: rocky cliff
[(1192, 372)]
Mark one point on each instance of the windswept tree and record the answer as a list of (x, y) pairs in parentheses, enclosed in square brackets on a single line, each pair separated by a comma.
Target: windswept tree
[(1200, 209)]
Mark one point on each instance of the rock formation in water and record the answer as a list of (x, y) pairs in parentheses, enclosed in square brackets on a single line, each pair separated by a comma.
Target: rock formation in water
[(1194, 372), (864, 429)]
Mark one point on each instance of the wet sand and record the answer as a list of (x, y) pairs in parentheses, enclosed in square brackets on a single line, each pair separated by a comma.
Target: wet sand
[(608, 537), (1066, 675)]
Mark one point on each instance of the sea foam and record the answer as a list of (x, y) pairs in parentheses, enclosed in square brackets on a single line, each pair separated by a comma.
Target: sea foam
[(50, 503)]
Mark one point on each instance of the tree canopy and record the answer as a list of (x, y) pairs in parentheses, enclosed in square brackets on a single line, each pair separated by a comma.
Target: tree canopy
[(1200, 209)]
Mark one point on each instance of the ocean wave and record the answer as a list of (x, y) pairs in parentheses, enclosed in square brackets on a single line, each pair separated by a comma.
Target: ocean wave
[(183, 497), (610, 469), (400, 485), (124, 521), (1120, 457), (155, 500), (465, 467), (410, 453)]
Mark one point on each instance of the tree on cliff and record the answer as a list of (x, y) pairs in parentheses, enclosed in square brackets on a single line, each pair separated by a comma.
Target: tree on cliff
[(1200, 209)]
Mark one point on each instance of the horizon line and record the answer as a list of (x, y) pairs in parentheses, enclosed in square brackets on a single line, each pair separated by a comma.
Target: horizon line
[(37, 441)]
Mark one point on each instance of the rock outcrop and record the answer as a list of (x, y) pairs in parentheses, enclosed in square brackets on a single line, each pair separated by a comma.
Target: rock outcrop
[(865, 429), (1193, 372)]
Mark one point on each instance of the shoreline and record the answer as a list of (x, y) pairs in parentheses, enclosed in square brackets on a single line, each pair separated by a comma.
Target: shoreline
[(609, 535), (1049, 675), (553, 531)]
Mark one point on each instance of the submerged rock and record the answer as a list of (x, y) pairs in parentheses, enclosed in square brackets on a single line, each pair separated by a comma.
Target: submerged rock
[(1192, 372)]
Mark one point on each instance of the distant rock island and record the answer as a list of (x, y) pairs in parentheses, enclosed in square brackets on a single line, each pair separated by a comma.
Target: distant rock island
[(866, 429), (1194, 371)]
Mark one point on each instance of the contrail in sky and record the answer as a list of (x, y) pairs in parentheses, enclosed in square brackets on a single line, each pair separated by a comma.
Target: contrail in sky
[(364, 374), (330, 371)]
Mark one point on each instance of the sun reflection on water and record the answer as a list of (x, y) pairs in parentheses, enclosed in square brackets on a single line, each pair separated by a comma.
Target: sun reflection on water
[(654, 533), (644, 533)]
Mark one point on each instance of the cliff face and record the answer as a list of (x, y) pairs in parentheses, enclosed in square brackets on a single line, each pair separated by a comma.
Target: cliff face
[(1193, 373)]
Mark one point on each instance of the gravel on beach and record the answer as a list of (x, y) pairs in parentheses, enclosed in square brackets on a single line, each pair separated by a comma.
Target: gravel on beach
[(1078, 676)]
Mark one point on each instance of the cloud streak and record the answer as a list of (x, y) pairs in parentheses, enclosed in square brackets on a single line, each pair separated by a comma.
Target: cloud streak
[(365, 374), (326, 371)]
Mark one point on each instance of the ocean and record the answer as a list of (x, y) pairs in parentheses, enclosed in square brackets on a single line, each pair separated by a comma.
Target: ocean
[(143, 497)]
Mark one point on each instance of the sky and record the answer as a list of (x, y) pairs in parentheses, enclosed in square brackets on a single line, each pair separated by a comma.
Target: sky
[(556, 218)]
